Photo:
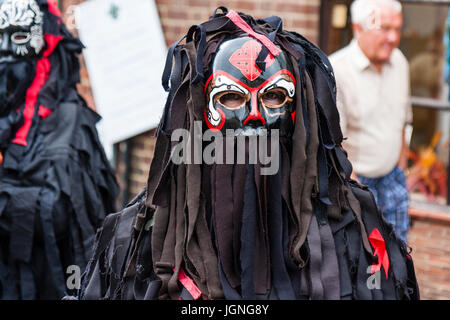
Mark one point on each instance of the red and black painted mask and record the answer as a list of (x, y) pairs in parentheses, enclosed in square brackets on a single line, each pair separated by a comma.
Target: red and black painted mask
[(241, 96), (21, 30)]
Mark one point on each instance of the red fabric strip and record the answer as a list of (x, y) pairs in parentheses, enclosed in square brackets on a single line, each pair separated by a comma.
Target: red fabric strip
[(51, 42), (377, 241), (44, 112), (189, 284), (42, 73), (241, 24), (53, 7)]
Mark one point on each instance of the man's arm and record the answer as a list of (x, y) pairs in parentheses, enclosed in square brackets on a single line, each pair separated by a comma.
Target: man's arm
[(403, 159)]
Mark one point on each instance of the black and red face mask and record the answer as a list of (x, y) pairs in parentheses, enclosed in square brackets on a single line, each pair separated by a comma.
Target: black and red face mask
[(242, 96)]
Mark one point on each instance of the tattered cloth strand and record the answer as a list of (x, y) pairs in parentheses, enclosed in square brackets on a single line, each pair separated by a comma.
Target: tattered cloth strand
[(303, 166), (248, 238), (255, 241), (283, 285)]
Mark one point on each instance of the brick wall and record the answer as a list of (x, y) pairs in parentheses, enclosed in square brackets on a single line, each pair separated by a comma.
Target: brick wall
[(298, 15), (139, 156), (84, 87), (430, 242)]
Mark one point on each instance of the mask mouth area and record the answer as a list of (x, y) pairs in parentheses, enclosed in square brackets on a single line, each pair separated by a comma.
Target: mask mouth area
[(239, 95), (16, 76), (7, 59), (250, 131), (254, 120)]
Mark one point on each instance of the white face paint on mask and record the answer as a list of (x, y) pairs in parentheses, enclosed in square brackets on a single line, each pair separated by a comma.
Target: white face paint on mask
[(21, 30)]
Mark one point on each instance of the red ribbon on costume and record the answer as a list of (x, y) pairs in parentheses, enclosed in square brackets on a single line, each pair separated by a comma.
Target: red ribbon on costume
[(189, 284), (53, 7), (377, 242), (41, 77), (44, 112), (241, 24)]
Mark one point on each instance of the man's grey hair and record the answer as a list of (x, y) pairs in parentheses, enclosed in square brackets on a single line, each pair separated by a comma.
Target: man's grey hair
[(362, 11)]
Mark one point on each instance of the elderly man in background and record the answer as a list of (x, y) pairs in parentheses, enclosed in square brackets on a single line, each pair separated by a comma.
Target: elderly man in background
[(373, 92)]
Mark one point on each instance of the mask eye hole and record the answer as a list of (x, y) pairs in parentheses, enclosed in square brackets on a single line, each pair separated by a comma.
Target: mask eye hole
[(274, 98), (232, 100), (20, 37)]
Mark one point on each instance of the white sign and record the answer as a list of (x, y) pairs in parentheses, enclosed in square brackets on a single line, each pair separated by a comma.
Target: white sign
[(125, 56)]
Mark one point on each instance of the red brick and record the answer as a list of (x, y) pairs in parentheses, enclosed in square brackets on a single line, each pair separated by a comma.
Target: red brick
[(297, 8), (304, 24), (177, 14), (198, 3)]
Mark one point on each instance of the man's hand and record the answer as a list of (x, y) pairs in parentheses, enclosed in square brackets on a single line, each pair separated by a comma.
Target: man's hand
[(354, 176)]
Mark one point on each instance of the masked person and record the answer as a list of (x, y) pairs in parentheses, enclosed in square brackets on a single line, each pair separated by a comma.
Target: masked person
[(283, 222), (56, 185)]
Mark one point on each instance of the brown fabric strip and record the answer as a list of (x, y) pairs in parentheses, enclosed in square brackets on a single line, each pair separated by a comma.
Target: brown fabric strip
[(160, 225), (180, 227), (311, 164), (310, 172), (162, 149), (167, 260), (298, 166), (199, 252)]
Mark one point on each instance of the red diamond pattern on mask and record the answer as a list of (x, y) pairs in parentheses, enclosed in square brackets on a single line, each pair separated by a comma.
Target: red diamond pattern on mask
[(244, 59)]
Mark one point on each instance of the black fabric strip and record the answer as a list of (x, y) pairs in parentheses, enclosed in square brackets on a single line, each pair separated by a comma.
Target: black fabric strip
[(262, 273), (174, 73), (200, 50), (329, 267), (248, 237), (317, 290), (277, 24), (322, 166), (228, 291), (281, 281), (215, 14), (223, 220), (239, 179), (168, 66), (27, 282), (46, 200)]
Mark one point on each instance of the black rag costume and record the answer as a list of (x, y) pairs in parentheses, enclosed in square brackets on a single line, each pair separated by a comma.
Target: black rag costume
[(224, 230), (56, 185)]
